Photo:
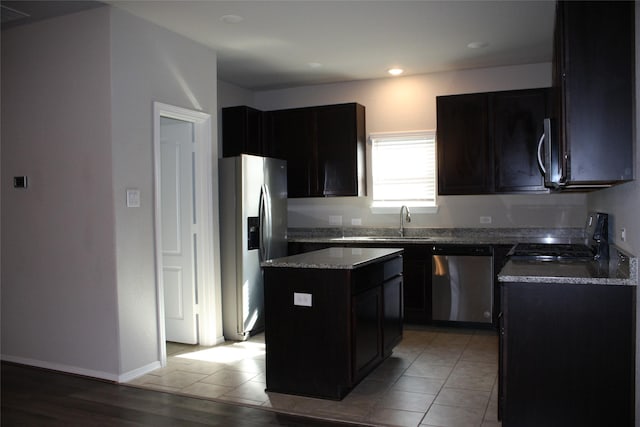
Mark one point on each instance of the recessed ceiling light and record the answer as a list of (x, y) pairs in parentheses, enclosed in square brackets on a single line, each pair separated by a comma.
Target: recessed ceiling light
[(231, 19), (395, 71), (477, 45)]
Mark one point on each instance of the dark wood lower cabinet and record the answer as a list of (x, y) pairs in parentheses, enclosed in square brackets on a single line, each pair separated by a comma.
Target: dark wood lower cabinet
[(567, 355), (417, 284), (367, 333), (325, 349), (499, 260), (393, 313)]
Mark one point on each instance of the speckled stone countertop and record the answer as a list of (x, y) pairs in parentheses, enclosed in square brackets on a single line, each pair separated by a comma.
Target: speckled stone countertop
[(335, 258), (488, 236), (621, 269)]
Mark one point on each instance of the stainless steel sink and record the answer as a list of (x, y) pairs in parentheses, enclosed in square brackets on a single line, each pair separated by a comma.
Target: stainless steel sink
[(361, 238), (380, 238)]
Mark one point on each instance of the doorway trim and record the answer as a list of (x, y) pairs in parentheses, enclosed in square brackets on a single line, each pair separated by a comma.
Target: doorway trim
[(207, 285)]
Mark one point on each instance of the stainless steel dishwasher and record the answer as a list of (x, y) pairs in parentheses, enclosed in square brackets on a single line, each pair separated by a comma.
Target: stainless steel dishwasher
[(462, 283)]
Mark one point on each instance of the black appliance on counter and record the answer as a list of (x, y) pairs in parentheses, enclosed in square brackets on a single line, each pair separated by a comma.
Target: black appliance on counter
[(594, 247)]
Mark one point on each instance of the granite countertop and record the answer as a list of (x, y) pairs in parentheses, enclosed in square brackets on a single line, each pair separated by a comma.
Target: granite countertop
[(620, 269), (335, 258), (471, 236)]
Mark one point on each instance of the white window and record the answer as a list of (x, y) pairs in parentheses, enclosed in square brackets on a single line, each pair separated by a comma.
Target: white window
[(404, 169)]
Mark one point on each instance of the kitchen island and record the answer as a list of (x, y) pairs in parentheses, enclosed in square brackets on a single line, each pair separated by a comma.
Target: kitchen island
[(331, 317)]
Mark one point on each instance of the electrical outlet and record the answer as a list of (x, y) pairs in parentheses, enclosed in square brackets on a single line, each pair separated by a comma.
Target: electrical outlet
[(302, 299), (623, 234), (485, 220), (335, 219)]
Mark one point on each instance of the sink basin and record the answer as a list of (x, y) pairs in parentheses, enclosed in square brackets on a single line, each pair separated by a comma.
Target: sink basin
[(380, 238), (362, 238)]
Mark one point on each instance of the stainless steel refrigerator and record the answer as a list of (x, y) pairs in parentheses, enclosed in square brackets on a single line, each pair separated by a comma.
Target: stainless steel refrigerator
[(253, 227)]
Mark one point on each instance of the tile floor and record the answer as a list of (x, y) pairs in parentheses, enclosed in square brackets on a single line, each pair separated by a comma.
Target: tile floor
[(435, 377)]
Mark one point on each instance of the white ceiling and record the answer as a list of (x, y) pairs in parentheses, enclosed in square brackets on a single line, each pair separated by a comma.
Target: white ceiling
[(275, 43), (353, 40)]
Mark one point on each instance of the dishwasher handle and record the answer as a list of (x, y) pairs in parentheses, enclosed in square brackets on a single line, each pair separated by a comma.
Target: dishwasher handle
[(467, 250)]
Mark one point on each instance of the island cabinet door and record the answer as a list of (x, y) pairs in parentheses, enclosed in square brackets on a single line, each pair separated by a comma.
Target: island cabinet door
[(392, 314), (367, 332), (307, 320)]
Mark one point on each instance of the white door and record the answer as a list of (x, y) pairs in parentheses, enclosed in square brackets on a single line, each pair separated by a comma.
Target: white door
[(179, 237)]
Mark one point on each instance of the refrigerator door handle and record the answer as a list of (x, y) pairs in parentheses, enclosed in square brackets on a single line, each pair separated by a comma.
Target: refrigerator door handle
[(264, 222)]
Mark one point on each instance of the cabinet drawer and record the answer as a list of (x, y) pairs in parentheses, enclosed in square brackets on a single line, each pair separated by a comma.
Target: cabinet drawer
[(393, 267), (373, 275)]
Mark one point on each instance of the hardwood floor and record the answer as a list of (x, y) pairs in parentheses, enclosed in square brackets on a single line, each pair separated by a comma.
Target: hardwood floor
[(38, 397)]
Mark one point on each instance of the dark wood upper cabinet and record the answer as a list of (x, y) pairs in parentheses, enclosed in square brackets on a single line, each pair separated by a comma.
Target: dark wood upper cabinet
[(517, 119), (242, 131), (464, 151), (324, 147), (593, 79), (289, 133), (341, 145), (487, 142)]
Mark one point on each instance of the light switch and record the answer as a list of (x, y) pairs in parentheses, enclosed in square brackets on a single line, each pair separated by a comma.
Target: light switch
[(19, 182), (302, 299), (133, 198)]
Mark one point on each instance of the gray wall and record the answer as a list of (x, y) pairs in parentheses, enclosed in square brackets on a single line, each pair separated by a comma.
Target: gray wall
[(59, 299), (78, 276), (408, 103), (148, 64)]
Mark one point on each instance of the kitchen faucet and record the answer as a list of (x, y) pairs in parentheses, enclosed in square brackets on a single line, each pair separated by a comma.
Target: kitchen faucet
[(406, 217)]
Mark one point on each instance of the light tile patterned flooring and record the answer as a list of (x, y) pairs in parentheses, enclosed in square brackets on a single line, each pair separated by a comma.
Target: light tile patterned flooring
[(435, 377)]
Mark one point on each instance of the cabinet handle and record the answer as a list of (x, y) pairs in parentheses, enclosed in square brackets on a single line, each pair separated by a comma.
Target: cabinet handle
[(540, 163), (547, 151), (555, 176), (550, 178)]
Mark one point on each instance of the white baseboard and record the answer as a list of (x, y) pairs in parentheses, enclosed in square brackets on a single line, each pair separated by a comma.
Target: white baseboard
[(128, 376), (119, 378), (109, 376)]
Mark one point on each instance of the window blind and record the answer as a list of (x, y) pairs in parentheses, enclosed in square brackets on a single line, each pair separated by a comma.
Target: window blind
[(404, 167)]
